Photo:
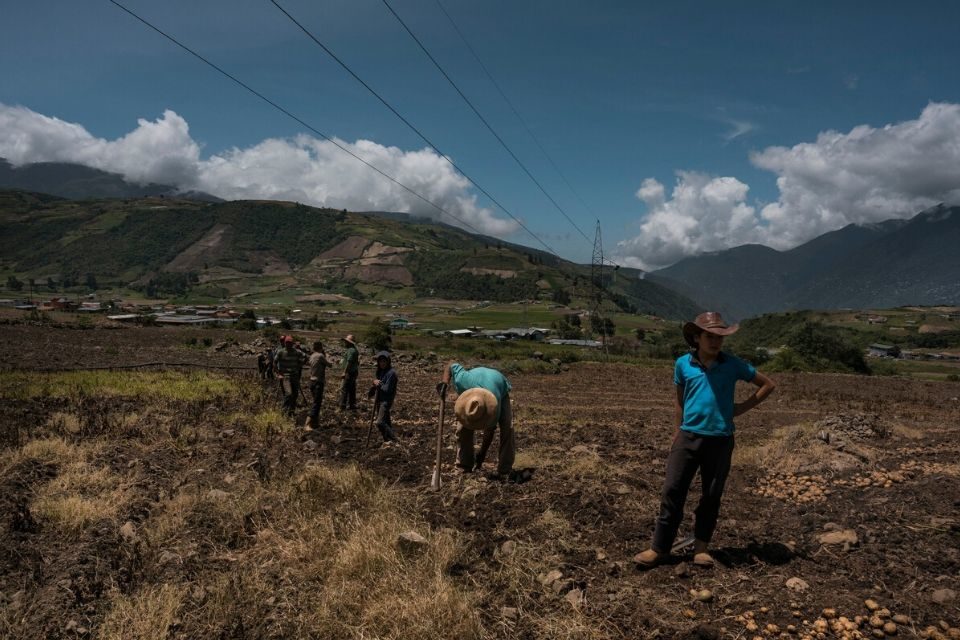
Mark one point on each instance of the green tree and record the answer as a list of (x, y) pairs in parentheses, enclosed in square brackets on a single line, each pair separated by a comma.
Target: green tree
[(51, 285), (91, 282), (602, 326), (14, 284), (377, 335)]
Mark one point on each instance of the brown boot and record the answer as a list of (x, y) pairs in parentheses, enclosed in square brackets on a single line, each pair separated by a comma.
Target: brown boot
[(310, 424), (649, 558), (702, 557)]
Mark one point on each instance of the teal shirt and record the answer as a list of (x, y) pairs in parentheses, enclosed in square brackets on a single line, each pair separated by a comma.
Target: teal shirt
[(708, 393), (489, 379)]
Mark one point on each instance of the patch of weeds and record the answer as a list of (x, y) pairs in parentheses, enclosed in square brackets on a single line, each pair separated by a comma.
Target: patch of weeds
[(146, 614), (170, 385)]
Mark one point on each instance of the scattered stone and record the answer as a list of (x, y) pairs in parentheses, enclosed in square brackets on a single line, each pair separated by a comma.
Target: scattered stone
[(575, 597), (550, 577), (845, 536), (943, 596), (510, 613), (227, 433), (682, 570), (508, 548), (561, 586), (167, 557), (621, 489), (797, 584), (601, 555), (310, 445), (71, 626), (128, 532), (336, 439), (217, 494), (411, 542)]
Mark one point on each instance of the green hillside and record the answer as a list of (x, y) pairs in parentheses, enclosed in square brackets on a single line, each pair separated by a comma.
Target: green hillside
[(288, 251)]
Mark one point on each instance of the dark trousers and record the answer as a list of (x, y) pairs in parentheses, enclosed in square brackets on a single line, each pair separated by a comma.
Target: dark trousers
[(691, 452), (316, 390), (383, 422), (348, 392), (291, 390), (508, 442)]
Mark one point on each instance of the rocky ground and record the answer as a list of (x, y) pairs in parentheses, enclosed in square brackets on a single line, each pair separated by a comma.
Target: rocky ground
[(841, 518)]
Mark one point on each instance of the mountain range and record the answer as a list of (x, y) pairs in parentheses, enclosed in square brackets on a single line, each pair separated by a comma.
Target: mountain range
[(129, 234), (166, 246), (889, 264)]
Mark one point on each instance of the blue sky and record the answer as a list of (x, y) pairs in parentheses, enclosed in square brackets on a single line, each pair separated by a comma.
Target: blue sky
[(700, 106)]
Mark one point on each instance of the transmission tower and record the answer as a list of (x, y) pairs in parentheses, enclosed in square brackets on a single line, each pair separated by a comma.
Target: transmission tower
[(596, 286)]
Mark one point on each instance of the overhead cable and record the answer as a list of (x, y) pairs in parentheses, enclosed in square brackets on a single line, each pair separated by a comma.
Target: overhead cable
[(520, 118), (409, 124), (297, 119), (484, 120)]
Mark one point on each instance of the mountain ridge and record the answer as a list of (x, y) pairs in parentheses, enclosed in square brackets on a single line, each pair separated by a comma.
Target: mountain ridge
[(892, 263)]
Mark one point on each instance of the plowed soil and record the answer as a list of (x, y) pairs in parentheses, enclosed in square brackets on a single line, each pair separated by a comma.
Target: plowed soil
[(595, 439)]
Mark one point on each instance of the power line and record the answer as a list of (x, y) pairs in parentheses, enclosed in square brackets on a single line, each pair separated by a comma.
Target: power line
[(484, 120), (523, 122), (296, 118), (408, 123)]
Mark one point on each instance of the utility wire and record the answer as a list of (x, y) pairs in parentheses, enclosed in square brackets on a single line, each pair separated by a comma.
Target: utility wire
[(484, 120), (296, 118), (407, 122), (523, 122)]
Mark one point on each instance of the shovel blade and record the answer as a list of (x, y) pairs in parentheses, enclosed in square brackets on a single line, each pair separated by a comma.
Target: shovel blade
[(435, 481)]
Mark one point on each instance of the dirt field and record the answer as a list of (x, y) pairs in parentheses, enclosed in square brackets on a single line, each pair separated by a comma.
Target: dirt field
[(181, 504)]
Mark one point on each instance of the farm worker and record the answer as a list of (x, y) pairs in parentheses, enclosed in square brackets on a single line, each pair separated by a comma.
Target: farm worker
[(385, 390), (482, 405), (705, 379), (317, 365), (351, 369), (289, 364)]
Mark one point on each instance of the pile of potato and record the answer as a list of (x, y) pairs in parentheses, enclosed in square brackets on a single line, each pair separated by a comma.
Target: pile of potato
[(791, 486), (877, 622)]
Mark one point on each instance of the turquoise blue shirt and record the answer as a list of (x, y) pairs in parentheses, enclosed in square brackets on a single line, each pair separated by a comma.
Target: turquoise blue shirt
[(708, 393), (489, 379)]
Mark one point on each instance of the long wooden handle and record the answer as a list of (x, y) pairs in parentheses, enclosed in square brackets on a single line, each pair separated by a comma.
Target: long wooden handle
[(435, 482)]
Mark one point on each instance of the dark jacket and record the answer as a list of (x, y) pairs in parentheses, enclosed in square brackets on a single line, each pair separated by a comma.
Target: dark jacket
[(388, 381)]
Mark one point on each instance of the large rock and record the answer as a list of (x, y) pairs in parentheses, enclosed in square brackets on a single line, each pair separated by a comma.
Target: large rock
[(844, 536), (797, 584), (411, 542), (943, 596)]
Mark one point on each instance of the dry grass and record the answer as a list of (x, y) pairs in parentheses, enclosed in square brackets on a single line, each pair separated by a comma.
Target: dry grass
[(22, 385), (145, 615), (80, 495), (786, 449), (313, 557)]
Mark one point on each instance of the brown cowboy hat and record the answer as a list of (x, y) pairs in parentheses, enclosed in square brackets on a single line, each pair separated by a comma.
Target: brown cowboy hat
[(349, 338), (476, 409), (709, 321)]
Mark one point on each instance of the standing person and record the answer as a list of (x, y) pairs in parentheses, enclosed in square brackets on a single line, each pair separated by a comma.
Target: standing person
[(385, 390), (482, 405), (289, 365), (705, 381), (317, 365), (351, 369)]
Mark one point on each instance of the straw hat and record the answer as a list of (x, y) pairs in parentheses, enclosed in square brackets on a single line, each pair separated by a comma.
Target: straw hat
[(709, 321), (476, 409), (349, 339)]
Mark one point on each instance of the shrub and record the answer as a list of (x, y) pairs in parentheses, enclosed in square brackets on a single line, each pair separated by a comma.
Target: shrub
[(377, 335)]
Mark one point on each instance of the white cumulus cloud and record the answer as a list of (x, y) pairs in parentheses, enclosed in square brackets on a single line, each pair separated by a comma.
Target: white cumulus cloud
[(703, 213), (866, 175), (862, 176), (304, 168)]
